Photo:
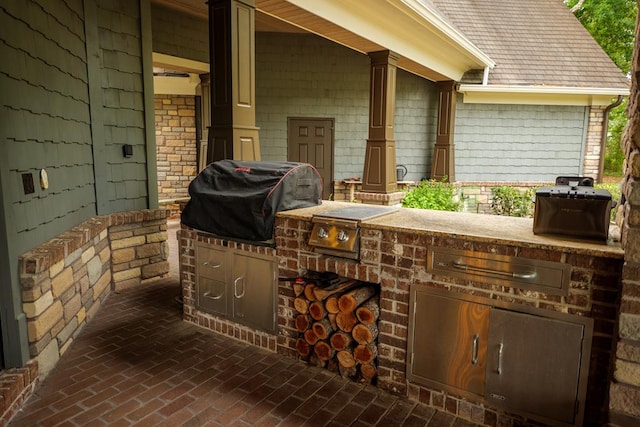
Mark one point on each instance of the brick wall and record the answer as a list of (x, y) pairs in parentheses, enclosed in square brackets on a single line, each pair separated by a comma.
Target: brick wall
[(593, 148), (65, 280), (396, 260), (176, 146), (476, 196), (625, 388), (16, 385)]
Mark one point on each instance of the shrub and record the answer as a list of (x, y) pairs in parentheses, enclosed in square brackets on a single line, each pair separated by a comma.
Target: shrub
[(614, 189), (431, 194), (510, 201)]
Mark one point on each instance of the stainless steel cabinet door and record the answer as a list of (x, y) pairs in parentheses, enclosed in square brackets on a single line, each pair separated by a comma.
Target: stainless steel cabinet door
[(253, 291), (448, 341), (534, 364)]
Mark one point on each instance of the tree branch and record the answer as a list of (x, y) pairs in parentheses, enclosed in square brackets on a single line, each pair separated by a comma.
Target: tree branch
[(577, 6)]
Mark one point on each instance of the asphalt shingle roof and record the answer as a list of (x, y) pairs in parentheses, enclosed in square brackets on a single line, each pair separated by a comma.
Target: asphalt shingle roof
[(532, 43)]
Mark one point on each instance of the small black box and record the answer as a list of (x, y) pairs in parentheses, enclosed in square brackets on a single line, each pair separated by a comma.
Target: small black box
[(579, 211)]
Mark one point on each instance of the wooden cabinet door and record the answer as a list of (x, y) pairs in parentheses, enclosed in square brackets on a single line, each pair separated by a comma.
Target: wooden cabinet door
[(534, 365), (448, 341), (253, 290)]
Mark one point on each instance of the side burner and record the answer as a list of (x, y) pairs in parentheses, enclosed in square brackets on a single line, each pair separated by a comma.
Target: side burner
[(337, 232)]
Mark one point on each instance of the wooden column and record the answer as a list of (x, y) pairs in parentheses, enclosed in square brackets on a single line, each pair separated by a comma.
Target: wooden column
[(443, 164), (380, 157), (233, 133)]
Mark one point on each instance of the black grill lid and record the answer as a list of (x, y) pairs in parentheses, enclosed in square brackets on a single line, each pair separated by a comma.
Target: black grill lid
[(239, 199)]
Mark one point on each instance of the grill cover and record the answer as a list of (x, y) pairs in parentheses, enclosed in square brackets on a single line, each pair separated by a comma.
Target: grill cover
[(579, 211), (239, 199)]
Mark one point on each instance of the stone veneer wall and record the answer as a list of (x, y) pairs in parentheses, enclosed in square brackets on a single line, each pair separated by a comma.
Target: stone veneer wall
[(593, 143), (187, 238), (175, 121), (625, 388), (396, 260), (65, 280)]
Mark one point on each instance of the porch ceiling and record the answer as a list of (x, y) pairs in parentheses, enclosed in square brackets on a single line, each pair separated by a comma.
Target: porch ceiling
[(426, 44)]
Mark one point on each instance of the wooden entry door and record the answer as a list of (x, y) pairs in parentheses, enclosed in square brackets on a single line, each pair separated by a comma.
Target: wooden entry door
[(311, 141)]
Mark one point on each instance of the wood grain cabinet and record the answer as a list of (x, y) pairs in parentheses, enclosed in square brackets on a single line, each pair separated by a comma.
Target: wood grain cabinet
[(527, 361), (238, 285)]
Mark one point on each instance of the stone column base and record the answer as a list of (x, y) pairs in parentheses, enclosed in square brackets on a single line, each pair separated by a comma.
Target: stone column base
[(387, 199)]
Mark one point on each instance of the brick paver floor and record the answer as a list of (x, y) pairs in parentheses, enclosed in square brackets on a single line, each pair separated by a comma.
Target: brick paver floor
[(138, 363)]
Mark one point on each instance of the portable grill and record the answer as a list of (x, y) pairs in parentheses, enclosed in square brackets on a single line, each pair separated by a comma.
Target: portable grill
[(573, 207)]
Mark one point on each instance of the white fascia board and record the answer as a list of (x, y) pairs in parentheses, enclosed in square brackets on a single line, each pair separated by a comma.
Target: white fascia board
[(540, 95), (445, 28), (176, 63), (399, 28)]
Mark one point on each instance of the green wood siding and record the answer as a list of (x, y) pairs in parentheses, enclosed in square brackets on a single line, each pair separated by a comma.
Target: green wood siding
[(520, 143), (71, 94), (122, 96), (46, 118), (45, 124), (179, 35)]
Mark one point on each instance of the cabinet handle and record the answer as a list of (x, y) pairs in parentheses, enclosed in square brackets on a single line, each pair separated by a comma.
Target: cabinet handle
[(474, 350), (525, 276), (207, 264), (235, 287), (210, 296), (499, 368)]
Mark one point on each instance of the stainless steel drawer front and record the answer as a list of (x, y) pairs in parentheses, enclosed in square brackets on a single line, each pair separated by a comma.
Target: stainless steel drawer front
[(536, 275)]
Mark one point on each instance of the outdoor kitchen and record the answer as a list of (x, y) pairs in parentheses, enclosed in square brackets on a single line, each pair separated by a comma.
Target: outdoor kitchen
[(474, 314)]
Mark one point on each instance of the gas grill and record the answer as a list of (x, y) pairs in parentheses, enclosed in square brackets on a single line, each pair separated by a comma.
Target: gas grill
[(337, 232)]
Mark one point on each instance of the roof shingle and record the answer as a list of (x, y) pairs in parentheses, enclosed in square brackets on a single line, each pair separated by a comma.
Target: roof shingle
[(532, 43)]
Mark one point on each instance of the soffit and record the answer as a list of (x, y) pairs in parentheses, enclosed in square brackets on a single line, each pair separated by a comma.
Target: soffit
[(392, 25)]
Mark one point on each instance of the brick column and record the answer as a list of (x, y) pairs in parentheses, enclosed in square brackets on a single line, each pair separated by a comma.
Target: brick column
[(624, 401), (593, 149)]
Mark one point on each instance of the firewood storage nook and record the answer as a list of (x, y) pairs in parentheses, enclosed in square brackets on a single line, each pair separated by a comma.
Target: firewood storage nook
[(581, 296)]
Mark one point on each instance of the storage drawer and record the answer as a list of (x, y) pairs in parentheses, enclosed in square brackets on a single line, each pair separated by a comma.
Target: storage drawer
[(531, 274), (210, 263), (212, 296)]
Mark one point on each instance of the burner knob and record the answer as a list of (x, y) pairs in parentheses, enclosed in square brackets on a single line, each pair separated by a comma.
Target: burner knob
[(342, 236), (322, 233)]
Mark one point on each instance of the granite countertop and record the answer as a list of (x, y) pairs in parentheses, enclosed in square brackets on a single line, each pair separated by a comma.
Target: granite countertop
[(471, 226)]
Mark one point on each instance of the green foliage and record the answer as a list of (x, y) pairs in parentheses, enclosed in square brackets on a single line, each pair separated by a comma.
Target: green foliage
[(611, 23), (510, 201), (614, 156), (614, 189), (431, 194)]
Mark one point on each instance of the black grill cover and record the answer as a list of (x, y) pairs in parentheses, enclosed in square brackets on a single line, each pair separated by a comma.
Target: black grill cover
[(239, 199)]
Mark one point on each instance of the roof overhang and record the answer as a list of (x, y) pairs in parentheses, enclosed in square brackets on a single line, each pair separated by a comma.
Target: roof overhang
[(425, 43), (541, 95), (176, 85)]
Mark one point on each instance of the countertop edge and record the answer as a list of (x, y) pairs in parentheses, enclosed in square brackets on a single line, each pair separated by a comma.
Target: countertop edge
[(459, 225)]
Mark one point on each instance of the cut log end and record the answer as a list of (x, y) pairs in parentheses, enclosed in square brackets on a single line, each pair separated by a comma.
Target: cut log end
[(346, 321), (323, 350)]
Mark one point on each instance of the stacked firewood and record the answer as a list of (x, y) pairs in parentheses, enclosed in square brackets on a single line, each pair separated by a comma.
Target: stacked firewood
[(338, 326)]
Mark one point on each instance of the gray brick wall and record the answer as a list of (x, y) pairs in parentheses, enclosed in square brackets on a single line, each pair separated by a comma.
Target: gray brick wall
[(518, 142), (306, 76)]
